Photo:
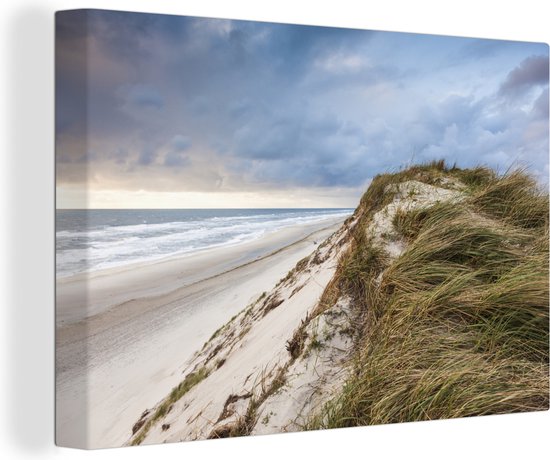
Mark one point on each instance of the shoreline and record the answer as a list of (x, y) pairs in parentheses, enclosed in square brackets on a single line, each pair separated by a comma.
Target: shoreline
[(85, 295), (130, 353)]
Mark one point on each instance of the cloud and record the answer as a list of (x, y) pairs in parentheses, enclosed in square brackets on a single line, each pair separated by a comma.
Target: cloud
[(142, 96), (340, 62), (191, 104), (180, 143), (146, 157), (301, 147), (532, 71), (176, 160), (540, 107)]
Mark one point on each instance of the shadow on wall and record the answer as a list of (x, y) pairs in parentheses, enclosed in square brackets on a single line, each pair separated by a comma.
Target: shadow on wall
[(29, 329)]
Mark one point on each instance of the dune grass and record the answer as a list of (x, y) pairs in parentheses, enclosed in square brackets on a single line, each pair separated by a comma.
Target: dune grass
[(457, 325), (192, 379)]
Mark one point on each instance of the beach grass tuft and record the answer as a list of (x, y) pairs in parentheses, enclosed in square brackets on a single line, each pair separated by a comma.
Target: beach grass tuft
[(457, 325), (192, 379)]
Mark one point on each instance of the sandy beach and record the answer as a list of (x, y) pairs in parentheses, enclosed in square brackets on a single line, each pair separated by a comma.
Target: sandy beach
[(125, 335)]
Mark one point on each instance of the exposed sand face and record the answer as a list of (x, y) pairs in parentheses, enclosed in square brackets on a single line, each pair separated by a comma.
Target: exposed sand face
[(408, 196), (249, 357), (314, 377), (144, 324)]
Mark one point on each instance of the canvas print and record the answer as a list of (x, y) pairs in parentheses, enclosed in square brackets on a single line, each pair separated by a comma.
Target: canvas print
[(266, 228)]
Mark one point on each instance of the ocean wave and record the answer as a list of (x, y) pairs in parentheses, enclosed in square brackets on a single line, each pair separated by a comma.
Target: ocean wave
[(106, 246)]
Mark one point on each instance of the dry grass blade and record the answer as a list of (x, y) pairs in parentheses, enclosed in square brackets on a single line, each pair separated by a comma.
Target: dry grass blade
[(457, 325)]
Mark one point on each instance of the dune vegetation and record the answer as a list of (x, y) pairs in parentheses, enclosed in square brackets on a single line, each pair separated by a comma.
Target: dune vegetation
[(456, 324), (429, 302)]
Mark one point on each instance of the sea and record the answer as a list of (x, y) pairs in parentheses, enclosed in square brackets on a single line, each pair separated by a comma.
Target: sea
[(89, 240)]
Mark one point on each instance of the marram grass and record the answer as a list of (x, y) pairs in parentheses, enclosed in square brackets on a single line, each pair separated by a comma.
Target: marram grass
[(456, 326)]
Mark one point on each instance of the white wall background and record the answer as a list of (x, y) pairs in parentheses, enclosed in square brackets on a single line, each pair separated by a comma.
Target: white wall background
[(26, 232)]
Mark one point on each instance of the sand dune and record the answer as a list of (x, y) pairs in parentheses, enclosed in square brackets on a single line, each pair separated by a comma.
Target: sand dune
[(125, 336), (243, 367)]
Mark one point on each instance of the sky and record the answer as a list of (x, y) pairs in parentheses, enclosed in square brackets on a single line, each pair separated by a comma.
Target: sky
[(158, 111)]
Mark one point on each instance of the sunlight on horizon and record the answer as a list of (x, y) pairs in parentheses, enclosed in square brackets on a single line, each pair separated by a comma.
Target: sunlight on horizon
[(81, 198)]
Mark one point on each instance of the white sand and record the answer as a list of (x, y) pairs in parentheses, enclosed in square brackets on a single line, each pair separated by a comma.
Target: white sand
[(314, 378), (408, 196), (246, 357), (125, 336)]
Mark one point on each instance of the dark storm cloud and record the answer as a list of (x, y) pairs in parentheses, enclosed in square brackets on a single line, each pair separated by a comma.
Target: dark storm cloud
[(198, 104), (70, 66), (293, 49), (532, 71), (127, 37), (300, 147)]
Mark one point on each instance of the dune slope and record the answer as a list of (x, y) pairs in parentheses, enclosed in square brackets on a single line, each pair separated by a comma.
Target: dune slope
[(431, 301)]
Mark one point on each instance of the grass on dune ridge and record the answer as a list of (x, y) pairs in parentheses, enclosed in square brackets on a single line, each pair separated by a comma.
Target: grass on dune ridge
[(458, 324)]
